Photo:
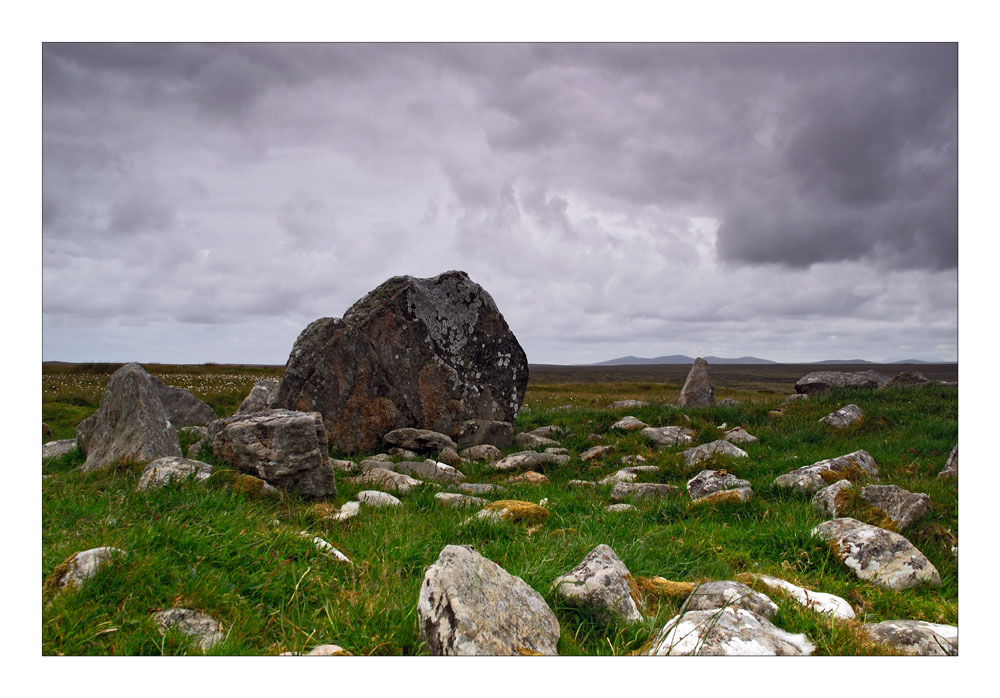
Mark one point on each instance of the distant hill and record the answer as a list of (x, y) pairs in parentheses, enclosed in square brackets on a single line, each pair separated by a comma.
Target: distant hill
[(844, 361), (678, 359)]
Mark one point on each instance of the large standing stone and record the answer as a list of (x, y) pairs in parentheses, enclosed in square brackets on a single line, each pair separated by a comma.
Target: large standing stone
[(183, 409), (698, 390), (916, 636), (260, 397), (601, 584), (821, 381), (812, 478), (284, 448), (130, 425), (469, 605), (877, 555), (726, 632), (426, 353)]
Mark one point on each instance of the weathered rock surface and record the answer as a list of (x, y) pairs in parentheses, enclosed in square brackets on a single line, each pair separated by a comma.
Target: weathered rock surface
[(641, 490), (846, 416), (419, 440), (739, 435), (429, 353), (633, 460), (182, 408), (476, 432), (81, 566), (453, 499), (596, 452), (581, 483), (469, 605), (526, 441), (877, 555), (427, 469), (905, 379), (900, 506), (951, 465), (343, 466), (514, 511), (698, 390), (734, 496), (559, 451), (448, 456), (811, 478), (528, 460), (629, 424), (916, 636), (711, 481), (601, 584), (284, 448), (530, 478), (159, 472), (668, 436), (478, 487), (830, 499), (205, 630), (629, 474), (374, 498), (548, 432), (721, 594), (720, 447), (349, 510), (621, 404), (726, 632), (486, 453), (816, 600), (385, 478), (260, 397), (821, 381), (58, 449), (130, 425)]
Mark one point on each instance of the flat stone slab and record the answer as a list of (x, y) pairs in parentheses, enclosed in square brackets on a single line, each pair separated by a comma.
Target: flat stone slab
[(822, 381), (486, 453), (708, 482), (629, 424), (453, 499), (596, 452), (916, 636), (161, 471), (641, 490), (386, 479), (728, 593), (622, 404), (846, 416), (726, 632), (528, 460), (877, 555), (471, 606), (58, 449), (668, 436), (427, 469), (812, 478), (900, 506), (600, 584), (816, 600), (205, 630), (419, 440), (375, 498), (527, 441)]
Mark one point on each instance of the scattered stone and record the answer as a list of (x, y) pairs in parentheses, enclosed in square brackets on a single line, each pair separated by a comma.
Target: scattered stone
[(829, 500), (452, 499), (846, 416), (130, 425), (449, 456), (429, 353), (731, 594), (159, 472), (739, 435), (469, 605), (284, 448), (58, 449), (916, 636), (485, 453), (633, 460), (514, 511), (404, 453), (621, 404), (951, 465), (260, 397), (344, 466), (619, 508), (877, 555), (728, 402), (668, 436), (905, 379), (811, 478), (557, 451), (775, 413), (242, 483), (601, 583), (721, 447), (478, 487), (549, 432), (596, 452), (726, 632), (419, 440), (711, 481), (698, 390), (821, 381), (581, 483), (326, 547), (195, 449), (348, 511), (816, 600), (374, 498), (530, 477), (478, 432), (321, 651), (386, 479), (641, 490), (80, 567), (900, 506), (526, 441), (797, 396), (204, 629), (629, 474), (528, 460), (385, 457), (735, 496), (629, 424), (428, 469)]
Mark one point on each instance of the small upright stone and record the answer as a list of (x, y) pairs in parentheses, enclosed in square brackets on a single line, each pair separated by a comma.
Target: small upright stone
[(601, 584), (951, 465), (900, 506), (201, 627), (260, 397), (698, 390)]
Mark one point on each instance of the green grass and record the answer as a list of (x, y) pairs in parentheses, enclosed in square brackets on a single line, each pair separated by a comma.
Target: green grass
[(241, 559)]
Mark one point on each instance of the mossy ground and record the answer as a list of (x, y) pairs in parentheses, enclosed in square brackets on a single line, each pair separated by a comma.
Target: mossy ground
[(240, 557)]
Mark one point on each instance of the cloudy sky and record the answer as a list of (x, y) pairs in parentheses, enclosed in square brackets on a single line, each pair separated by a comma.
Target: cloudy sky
[(793, 202)]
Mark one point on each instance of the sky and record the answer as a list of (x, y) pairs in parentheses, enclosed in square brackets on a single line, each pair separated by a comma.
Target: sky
[(795, 202)]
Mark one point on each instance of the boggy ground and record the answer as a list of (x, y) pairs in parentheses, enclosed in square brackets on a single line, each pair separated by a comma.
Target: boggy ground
[(241, 559)]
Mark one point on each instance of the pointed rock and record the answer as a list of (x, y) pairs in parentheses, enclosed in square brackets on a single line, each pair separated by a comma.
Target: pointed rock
[(601, 583), (260, 397), (726, 632), (698, 390)]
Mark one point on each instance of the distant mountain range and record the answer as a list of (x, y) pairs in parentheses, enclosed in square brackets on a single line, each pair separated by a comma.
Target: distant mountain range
[(682, 359)]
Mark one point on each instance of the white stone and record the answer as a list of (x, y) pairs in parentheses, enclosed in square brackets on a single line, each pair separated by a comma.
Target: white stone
[(817, 600), (326, 547), (374, 498), (727, 632)]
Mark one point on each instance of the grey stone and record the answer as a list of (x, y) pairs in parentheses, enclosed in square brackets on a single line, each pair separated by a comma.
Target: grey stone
[(825, 501), (633, 460), (710, 481), (58, 449), (130, 425), (596, 452), (260, 397), (448, 456), (641, 490), (80, 567), (196, 431), (194, 450), (629, 474), (557, 451), (485, 453), (727, 631), (698, 390), (906, 379), (600, 584), (419, 440), (528, 460), (816, 600), (739, 435), (430, 353), (812, 478), (182, 408), (325, 547), (581, 483), (405, 453), (205, 630), (469, 605), (344, 466), (385, 478), (721, 594), (900, 506), (549, 432), (728, 402), (284, 448), (916, 636), (821, 381), (375, 498), (477, 432), (877, 555), (159, 472), (478, 487), (951, 465), (424, 470), (527, 441), (629, 424), (668, 436), (720, 447), (738, 494), (348, 511), (619, 508), (622, 404), (453, 499), (846, 416)]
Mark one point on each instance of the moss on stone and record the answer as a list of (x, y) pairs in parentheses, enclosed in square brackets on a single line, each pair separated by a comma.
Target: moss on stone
[(517, 511)]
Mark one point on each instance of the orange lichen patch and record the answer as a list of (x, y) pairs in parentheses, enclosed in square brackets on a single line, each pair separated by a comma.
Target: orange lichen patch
[(723, 497), (322, 510), (250, 485), (664, 587), (561, 531), (775, 413), (518, 511), (530, 477), (527, 652)]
